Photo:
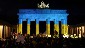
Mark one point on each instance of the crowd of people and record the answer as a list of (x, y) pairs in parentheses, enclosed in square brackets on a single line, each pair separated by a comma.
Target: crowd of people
[(27, 41)]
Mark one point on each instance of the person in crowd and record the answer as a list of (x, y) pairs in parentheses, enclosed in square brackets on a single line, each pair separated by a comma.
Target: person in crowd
[(22, 39)]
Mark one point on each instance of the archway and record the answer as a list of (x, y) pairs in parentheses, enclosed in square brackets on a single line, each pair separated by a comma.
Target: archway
[(51, 27), (42, 26), (24, 27), (32, 27)]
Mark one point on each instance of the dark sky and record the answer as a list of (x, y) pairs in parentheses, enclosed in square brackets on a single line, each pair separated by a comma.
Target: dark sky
[(9, 9)]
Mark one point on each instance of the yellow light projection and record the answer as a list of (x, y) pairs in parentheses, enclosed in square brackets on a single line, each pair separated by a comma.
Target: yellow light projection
[(37, 29), (28, 29), (64, 29), (56, 27), (48, 29), (20, 28)]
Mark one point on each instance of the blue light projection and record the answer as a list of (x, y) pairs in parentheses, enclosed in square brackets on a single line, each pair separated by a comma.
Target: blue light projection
[(42, 14)]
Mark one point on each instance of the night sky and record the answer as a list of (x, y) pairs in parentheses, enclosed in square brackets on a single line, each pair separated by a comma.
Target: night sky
[(10, 8)]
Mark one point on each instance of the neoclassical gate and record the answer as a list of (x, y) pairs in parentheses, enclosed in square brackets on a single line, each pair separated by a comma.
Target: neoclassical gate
[(43, 15)]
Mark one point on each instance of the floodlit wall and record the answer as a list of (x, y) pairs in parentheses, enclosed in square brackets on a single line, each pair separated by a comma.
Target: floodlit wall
[(5, 29), (78, 30)]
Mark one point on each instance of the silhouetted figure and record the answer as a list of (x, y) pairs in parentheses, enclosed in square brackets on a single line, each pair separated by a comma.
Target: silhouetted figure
[(55, 32)]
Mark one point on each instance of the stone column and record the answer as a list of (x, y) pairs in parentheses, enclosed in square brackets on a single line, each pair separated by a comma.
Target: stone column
[(28, 26), (64, 26), (37, 26), (48, 27), (56, 25), (77, 31), (84, 29), (20, 26), (1, 31)]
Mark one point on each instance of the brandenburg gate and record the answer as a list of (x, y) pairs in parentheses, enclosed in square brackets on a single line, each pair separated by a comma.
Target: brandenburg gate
[(43, 15)]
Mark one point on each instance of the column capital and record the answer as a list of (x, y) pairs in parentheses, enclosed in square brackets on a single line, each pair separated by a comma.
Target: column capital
[(20, 21), (56, 21), (47, 21), (64, 21), (28, 21), (37, 21)]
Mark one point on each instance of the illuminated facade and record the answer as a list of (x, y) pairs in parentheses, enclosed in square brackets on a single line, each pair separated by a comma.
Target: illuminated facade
[(5, 29), (43, 15), (79, 29)]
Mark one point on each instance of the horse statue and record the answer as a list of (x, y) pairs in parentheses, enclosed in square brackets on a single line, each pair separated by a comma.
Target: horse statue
[(43, 5)]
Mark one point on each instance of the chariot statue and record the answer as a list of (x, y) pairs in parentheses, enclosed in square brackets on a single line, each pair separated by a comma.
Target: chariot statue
[(43, 5)]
